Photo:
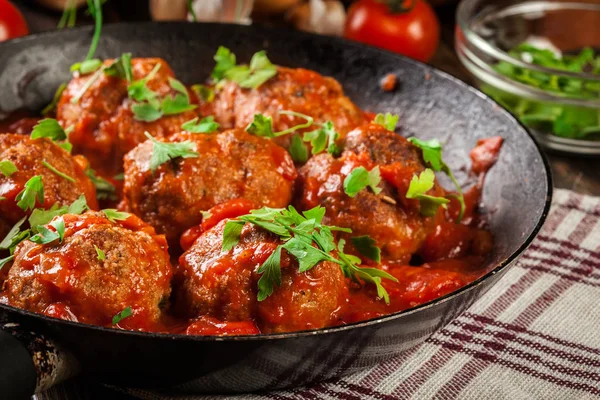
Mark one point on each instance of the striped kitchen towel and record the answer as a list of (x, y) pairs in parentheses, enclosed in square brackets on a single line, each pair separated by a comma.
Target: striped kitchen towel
[(534, 335)]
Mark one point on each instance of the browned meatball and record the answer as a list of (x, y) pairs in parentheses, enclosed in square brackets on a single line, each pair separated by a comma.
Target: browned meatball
[(34, 157), (298, 90), (224, 285), (104, 125), (389, 218), (229, 165), (134, 271)]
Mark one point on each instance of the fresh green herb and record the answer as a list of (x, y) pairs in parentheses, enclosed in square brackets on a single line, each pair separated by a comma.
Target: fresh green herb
[(139, 91), (163, 152), (323, 138), (304, 237), (146, 112), (205, 93), (88, 84), (119, 177), (298, 150), (419, 186), (45, 235), (34, 189), (100, 254), (367, 246), (192, 12), (121, 67), (113, 215), (388, 121), (262, 125), (432, 155), (126, 313), (568, 121), (178, 104), (5, 261), (95, 9), (78, 206), (7, 168), (57, 95), (40, 216), (11, 238), (360, 178), (49, 128), (250, 76), (87, 67), (197, 125), (104, 189), (57, 172)]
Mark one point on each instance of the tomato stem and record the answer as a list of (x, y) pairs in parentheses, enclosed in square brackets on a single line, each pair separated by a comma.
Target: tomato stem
[(398, 7)]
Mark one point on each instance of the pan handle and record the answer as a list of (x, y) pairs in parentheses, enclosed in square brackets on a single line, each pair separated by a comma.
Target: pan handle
[(30, 362)]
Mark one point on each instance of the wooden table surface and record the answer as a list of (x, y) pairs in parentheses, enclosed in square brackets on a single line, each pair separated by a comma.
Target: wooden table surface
[(577, 173)]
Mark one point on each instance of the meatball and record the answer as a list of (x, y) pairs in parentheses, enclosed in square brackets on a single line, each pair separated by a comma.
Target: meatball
[(298, 90), (133, 271), (229, 165), (34, 157), (389, 218), (224, 285), (104, 125)]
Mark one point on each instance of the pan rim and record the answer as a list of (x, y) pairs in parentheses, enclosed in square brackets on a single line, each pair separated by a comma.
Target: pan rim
[(498, 268)]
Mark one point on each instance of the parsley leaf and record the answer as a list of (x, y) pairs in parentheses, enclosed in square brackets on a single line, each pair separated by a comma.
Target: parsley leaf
[(139, 91), (388, 121), (5, 261), (49, 128), (100, 254), (146, 112), (367, 246), (39, 216), (250, 76), (7, 168), (126, 313), (271, 274), (121, 67), (104, 189), (205, 125), (9, 240), (419, 185), (432, 155), (205, 93), (231, 234), (225, 61), (298, 149), (323, 138), (262, 125), (57, 172), (113, 215), (87, 66), (34, 189), (78, 206), (359, 178), (163, 151), (45, 235), (57, 95), (178, 104)]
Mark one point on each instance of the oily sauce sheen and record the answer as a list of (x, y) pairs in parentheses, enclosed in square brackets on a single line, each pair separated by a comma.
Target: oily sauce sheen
[(156, 261)]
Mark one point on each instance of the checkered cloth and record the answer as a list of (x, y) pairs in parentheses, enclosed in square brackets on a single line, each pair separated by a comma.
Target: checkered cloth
[(534, 335)]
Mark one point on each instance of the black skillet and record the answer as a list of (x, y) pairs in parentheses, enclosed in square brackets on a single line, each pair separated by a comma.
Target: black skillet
[(430, 104)]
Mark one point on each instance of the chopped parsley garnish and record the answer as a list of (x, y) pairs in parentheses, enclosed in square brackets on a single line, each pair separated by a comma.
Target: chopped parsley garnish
[(100, 254), (419, 186), (323, 138), (262, 125), (57, 95), (205, 93), (41, 216), (388, 121), (306, 239), (367, 246), (12, 237), (139, 91), (146, 112), (7, 168), (204, 125), (113, 215), (57, 172), (250, 76), (49, 128), (298, 150), (5, 261), (432, 155), (126, 313), (104, 189), (360, 178), (163, 151), (87, 67), (563, 120), (45, 235), (34, 189), (178, 104), (121, 67)]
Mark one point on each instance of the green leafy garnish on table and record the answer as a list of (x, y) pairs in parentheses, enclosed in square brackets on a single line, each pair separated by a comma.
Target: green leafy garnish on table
[(306, 239), (563, 120)]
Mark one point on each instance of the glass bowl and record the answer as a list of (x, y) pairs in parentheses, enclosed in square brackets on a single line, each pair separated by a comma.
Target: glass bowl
[(567, 119)]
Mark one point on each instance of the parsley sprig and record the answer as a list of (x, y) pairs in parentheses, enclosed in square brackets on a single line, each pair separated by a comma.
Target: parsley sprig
[(7, 168), (250, 76), (262, 125), (307, 239), (126, 313), (51, 129), (163, 151), (33, 190), (388, 121), (432, 155), (120, 67), (419, 186), (323, 138), (104, 189), (360, 178), (204, 125)]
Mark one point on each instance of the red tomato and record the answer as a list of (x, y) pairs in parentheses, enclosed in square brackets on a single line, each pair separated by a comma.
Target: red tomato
[(12, 23), (413, 31)]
